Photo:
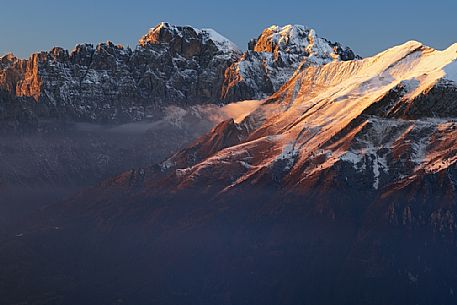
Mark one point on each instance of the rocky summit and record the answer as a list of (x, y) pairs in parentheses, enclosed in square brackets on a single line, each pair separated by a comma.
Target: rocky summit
[(273, 57)]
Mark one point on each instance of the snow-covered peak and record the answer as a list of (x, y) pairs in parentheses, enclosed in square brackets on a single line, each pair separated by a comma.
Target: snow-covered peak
[(274, 57), (298, 39), (290, 38), (371, 78), (166, 33)]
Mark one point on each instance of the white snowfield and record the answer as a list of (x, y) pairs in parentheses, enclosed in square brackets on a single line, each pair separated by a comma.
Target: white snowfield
[(318, 102)]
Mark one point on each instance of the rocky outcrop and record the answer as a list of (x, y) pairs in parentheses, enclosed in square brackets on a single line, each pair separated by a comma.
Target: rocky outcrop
[(274, 56)]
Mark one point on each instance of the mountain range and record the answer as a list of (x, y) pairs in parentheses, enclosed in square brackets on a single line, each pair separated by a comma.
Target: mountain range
[(178, 65), (337, 185)]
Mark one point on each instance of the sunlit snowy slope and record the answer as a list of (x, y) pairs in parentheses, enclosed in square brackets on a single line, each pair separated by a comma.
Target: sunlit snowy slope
[(389, 117)]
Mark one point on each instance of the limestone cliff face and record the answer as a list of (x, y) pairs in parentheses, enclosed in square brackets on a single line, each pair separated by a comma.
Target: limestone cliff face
[(21, 77)]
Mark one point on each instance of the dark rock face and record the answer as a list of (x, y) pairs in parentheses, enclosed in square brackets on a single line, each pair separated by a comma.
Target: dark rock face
[(177, 65), (438, 101), (273, 58), (226, 134)]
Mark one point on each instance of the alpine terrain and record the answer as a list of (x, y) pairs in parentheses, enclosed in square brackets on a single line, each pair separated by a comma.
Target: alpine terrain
[(315, 176)]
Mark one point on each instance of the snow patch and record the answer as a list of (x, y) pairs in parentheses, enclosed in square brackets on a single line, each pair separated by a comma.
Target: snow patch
[(289, 153), (451, 72), (219, 40)]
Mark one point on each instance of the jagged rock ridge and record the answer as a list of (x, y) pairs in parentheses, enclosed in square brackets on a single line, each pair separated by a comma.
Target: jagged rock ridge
[(171, 65)]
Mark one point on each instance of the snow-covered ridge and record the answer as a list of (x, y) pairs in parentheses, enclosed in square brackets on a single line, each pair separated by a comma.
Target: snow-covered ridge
[(298, 39), (412, 63), (330, 96), (320, 118)]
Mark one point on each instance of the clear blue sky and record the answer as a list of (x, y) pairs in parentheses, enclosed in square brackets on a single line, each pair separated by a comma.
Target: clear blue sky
[(367, 26)]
